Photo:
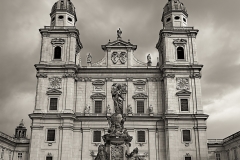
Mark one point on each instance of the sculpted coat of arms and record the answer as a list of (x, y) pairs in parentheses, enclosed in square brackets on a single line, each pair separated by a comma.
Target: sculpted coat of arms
[(123, 57), (55, 83), (119, 56), (182, 83), (115, 57)]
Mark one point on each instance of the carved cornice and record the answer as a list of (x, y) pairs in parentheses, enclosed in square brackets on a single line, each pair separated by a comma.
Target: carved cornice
[(72, 35), (98, 96), (69, 75), (183, 93), (169, 76), (58, 41), (139, 82), (193, 35), (166, 35), (109, 79), (54, 92), (129, 79), (84, 79), (88, 79), (196, 75), (41, 75), (98, 82), (140, 96), (154, 79), (44, 34), (179, 41)]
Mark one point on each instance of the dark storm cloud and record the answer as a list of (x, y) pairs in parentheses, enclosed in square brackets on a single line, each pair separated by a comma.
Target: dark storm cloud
[(98, 21)]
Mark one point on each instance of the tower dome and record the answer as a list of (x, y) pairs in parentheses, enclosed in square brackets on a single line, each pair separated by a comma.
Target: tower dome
[(174, 14), (63, 13)]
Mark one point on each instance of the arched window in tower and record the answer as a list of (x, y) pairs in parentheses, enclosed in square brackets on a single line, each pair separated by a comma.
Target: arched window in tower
[(57, 52), (180, 53)]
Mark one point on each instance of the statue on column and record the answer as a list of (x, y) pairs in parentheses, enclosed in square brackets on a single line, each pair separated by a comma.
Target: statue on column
[(117, 96)]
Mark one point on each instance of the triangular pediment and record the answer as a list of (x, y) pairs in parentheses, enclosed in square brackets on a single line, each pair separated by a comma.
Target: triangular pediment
[(178, 41), (119, 44), (54, 92), (183, 92), (140, 96), (98, 96)]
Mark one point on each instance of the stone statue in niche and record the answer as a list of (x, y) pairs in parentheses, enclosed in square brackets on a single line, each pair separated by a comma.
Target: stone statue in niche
[(149, 60), (55, 83), (182, 83), (119, 33), (129, 109), (150, 109), (102, 154), (87, 109)]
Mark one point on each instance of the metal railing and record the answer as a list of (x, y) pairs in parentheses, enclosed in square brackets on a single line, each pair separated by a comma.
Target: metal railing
[(59, 27), (215, 141), (180, 28)]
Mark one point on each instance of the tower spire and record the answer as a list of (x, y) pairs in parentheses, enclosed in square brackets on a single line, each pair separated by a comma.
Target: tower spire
[(174, 14), (63, 13), (21, 130)]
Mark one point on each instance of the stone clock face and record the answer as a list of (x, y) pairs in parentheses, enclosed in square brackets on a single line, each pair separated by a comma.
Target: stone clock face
[(182, 83)]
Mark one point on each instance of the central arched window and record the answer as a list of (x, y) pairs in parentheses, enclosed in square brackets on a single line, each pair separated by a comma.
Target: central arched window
[(180, 53), (57, 52)]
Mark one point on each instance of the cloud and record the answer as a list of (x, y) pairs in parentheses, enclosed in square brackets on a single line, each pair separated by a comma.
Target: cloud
[(140, 21), (224, 115)]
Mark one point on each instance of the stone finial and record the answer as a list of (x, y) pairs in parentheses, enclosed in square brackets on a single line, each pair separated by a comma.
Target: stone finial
[(21, 123)]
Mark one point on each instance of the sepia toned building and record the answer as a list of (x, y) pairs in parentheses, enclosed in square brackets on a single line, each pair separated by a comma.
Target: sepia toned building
[(227, 148), (16, 147), (162, 103)]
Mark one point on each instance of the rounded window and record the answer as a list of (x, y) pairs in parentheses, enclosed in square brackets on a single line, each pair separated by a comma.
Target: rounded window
[(177, 18), (169, 19), (69, 19), (180, 53), (184, 20), (57, 52), (60, 17)]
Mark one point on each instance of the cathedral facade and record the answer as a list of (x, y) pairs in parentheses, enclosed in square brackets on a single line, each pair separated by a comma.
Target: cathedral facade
[(162, 103)]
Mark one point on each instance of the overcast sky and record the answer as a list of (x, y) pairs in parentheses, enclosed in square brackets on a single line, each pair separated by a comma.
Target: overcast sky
[(140, 21)]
